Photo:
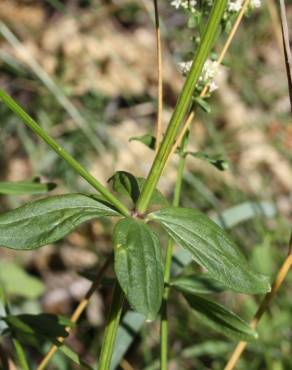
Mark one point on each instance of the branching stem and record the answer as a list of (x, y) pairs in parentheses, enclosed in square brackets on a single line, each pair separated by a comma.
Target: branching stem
[(182, 106)]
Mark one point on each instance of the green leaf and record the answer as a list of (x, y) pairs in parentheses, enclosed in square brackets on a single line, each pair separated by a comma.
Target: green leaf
[(73, 356), (215, 160), (45, 325), (202, 103), (147, 139), (10, 276), (25, 187), (211, 247), (124, 183), (196, 284), (47, 220), (138, 266), (220, 318)]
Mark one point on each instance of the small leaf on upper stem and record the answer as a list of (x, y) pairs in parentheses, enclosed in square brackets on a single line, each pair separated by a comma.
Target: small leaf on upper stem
[(220, 318), (73, 356), (203, 104), (124, 183), (211, 247), (215, 160), (138, 266), (47, 220), (147, 139)]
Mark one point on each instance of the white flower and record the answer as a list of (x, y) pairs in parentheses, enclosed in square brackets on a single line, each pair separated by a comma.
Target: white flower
[(184, 67), (185, 4), (255, 4), (213, 86), (208, 74), (176, 3), (210, 70), (234, 5)]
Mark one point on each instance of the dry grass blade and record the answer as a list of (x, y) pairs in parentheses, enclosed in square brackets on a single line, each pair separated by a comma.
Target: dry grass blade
[(288, 261), (276, 23), (78, 312), (287, 50), (160, 77), (263, 307)]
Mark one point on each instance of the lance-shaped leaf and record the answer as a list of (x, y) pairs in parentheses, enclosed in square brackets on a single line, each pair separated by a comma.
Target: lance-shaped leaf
[(44, 325), (124, 183), (47, 220), (25, 187), (138, 266), (215, 160), (196, 284), (147, 139), (220, 318), (211, 248)]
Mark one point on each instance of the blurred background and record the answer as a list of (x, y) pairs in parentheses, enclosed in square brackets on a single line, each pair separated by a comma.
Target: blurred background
[(86, 71)]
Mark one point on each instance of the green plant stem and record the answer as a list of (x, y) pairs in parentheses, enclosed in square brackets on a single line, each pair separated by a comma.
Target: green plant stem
[(183, 104), (111, 328), (77, 167), (20, 355), (168, 259)]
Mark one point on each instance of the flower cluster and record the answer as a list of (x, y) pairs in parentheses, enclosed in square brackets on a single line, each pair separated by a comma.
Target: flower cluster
[(233, 6), (207, 77), (185, 4)]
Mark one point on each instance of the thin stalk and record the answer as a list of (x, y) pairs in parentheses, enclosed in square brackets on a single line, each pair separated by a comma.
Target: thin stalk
[(287, 264), (111, 328), (169, 251), (286, 46), (181, 136), (276, 23), (288, 261), (203, 93), (183, 104), (160, 78), (77, 167), (77, 312), (21, 357)]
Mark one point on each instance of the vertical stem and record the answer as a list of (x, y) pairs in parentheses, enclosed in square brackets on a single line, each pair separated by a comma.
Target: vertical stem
[(182, 105), (206, 87), (111, 328), (167, 269), (160, 78)]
